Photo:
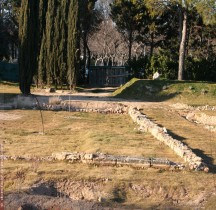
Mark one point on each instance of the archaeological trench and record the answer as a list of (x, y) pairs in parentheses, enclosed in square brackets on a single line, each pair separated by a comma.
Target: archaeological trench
[(190, 160)]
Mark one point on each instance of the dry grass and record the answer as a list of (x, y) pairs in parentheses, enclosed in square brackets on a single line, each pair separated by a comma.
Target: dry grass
[(87, 132), (93, 132), (114, 134)]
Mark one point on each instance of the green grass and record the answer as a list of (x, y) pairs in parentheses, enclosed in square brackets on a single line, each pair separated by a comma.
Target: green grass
[(189, 92)]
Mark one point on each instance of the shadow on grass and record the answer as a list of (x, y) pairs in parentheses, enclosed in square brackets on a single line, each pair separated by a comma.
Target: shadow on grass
[(208, 160), (7, 97), (147, 90)]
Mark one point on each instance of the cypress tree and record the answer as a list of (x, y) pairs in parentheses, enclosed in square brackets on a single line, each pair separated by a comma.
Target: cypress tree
[(42, 40), (58, 43), (28, 26), (49, 28), (73, 45)]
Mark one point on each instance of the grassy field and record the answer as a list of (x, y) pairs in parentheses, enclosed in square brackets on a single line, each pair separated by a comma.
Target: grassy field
[(189, 92), (113, 134), (78, 132)]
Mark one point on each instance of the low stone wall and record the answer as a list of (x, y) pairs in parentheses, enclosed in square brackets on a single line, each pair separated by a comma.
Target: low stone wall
[(195, 162), (101, 159), (57, 104), (202, 118), (88, 106), (112, 160)]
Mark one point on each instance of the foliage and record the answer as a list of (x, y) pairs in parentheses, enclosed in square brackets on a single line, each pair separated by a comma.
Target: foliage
[(130, 17), (89, 19), (204, 8), (9, 11), (28, 44), (164, 63), (138, 66), (54, 37), (201, 69)]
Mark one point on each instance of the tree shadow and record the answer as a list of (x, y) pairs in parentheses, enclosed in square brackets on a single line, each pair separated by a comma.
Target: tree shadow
[(170, 132), (47, 189), (148, 91), (7, 97), (208, 160), (119, 195)]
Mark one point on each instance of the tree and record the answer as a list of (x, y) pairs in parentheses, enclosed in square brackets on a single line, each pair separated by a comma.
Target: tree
[(73, 51), (107, 45), (89, 19), (9, 28), (129, 16), (204, 7), (28, 33), (49, 48)]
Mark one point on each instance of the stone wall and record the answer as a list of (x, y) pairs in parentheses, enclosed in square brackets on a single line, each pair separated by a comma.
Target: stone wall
[(195, 162), (100, 159)]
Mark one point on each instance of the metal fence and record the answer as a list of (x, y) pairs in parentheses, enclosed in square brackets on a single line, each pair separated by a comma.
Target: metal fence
[(9, 72), (107, 75)]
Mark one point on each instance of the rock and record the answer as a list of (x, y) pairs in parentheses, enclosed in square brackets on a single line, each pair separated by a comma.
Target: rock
[(60, 156), (164, 130), (203, 91), (100, 199), (156, 76), (88, 156), (191, 88), (206, 169), (190, 116), (74, 156)]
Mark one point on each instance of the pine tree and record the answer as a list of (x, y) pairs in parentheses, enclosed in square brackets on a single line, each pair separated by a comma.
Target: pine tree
[(129, 16)]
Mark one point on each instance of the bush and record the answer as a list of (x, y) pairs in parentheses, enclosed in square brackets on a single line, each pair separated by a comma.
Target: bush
[(201, 69), (165, 63), (138, 66)]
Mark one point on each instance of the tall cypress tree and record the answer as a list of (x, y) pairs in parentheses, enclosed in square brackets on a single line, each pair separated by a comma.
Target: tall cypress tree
[(58, 43), (28, 33), (72, 47), (41, 73), (49, 42)]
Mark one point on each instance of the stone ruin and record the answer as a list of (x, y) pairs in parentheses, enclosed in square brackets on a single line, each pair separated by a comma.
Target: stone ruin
[(195, 162)]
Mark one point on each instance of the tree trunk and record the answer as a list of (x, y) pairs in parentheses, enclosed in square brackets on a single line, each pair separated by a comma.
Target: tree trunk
[(130, 45), (182, 48), (180, 24), (152, 45)]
